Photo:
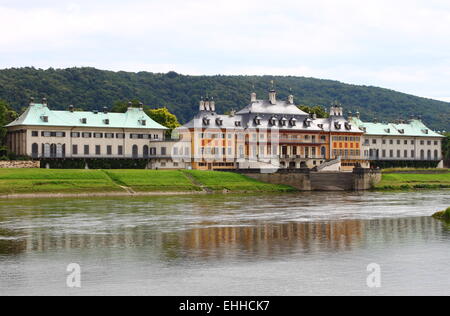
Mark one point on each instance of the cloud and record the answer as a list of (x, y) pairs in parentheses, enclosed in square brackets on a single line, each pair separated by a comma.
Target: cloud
[(398, 44)]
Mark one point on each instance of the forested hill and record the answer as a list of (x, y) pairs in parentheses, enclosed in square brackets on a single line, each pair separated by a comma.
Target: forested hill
[(90, 89)]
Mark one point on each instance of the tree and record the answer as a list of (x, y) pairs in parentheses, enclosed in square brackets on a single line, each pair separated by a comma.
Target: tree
[(7, 115), (164, 117), (446, 146), (318, 110), (92, 89)]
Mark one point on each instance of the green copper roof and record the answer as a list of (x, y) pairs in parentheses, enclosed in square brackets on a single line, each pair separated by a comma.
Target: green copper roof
[(413, 128), (41, 115)]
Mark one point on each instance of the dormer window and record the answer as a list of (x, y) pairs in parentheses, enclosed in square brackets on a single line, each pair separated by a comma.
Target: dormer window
[(106, 121), (293, 121), (44, 118), (283, 121), (257, 120), (206, 121), (337, 125), (143, 122), (307, 122), (237, 123), (219, 121), (402, 131), (273, 121), (425, 131), (84, 120), (320, 126), (348, 126), (388, 130)]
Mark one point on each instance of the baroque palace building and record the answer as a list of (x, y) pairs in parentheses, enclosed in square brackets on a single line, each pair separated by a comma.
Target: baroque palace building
[(44, 133), (270, 133), (402, 141), (265, 134)]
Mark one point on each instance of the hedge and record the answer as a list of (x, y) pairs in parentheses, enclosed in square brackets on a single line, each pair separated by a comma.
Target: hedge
[(93, 163), (385, 164)]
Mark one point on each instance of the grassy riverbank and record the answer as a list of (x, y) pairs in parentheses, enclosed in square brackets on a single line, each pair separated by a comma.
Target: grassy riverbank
[(410, 181), (44, 181)]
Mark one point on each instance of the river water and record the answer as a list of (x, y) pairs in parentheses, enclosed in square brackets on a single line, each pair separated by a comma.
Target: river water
[(288, 244)]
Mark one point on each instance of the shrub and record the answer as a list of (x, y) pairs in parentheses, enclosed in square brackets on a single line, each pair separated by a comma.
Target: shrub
[(444, 215)]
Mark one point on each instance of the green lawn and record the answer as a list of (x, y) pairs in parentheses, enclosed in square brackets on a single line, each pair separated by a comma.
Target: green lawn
[(418, 170), (216, 181), (94, 181), (54, 181), (404, 181), (152, 180)]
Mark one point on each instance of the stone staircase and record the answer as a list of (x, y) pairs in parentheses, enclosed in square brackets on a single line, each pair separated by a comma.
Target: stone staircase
[(328, 164)]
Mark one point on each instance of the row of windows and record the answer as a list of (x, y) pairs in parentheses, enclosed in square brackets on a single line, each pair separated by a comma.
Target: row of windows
[(215, 135), (262, 136), (94, 135), (215, 151), (346, 153), (59, 150), (306, 137), (346, 138), (399, 142), (398, 154), (48, 134), (217, 164)]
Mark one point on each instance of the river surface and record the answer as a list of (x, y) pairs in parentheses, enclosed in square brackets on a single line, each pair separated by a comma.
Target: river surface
[(288, 244)]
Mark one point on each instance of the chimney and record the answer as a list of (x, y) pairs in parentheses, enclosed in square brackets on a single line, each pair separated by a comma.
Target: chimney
[(350, 115), (212, 105), (141, 105), (358, 115), (44, 101), (105, 110), (253, 97), (201, 105), (207, 108), (272, 96), (232, 112), (31, 101), (314, 116), (71, 108), (291, 99)]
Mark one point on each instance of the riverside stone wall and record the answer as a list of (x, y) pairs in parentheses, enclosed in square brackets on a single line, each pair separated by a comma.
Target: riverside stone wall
[(358, 180), (19, 164)]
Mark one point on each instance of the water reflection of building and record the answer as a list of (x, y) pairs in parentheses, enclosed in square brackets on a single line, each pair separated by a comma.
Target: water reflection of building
[(266, 240)]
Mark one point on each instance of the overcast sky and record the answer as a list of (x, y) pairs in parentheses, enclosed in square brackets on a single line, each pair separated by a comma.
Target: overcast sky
[(403, 44)]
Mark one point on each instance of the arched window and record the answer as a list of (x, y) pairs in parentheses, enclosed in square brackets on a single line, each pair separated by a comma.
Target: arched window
[(422, 154), (145, 151), (436, 155), (35, 150), (135, 151), (59, 150), (429, 154), (53, 150), (323, 152), (46, 150)]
